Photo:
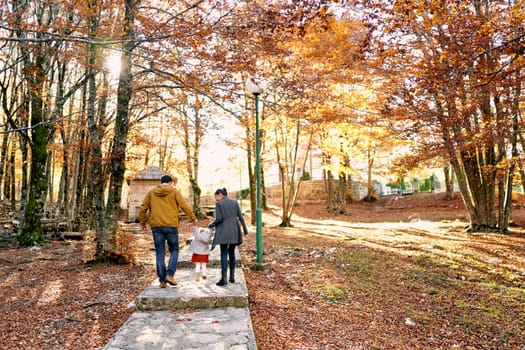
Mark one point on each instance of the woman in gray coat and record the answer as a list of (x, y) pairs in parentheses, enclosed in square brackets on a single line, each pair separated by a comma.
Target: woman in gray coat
[(227, 232)]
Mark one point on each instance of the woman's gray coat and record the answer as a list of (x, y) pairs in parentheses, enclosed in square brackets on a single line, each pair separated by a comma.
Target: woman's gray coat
[(227, 217)]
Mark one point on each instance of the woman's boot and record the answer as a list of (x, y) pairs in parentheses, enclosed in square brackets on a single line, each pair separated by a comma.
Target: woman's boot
[(232, 267), (232, 274), (222, 282)]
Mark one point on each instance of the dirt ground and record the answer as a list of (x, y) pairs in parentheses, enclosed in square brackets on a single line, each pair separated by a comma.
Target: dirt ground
[(399, 273)]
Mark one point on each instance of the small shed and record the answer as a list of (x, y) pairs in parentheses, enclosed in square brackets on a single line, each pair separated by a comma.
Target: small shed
[(139, 184)]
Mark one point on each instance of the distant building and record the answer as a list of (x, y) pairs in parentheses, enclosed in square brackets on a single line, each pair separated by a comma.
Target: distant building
[(138, 185)]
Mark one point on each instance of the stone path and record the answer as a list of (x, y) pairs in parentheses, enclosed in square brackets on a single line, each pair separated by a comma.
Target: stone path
[(191, 315)]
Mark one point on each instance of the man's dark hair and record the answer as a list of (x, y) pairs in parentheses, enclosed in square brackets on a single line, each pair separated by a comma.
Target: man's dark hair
[(166, 179)]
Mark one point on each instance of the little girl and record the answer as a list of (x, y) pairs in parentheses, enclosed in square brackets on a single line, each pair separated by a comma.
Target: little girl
[(200, 247)]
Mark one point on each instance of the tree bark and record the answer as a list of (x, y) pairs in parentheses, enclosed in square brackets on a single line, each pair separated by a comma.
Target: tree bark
[(369, 193), (251, 175), (106, 242), (32, 231), (449, 181), (4, 184), (288, 166), (192, 150)]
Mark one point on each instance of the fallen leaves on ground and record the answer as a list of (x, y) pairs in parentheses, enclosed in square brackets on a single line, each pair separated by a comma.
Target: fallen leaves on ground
[(51, 299), (386, 275)]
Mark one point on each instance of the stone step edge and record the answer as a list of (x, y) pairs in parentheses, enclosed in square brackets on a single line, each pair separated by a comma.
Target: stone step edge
[(198, 303), (223, 328)]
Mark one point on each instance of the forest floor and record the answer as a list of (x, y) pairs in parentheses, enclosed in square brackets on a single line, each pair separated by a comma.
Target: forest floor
[(398, 273)]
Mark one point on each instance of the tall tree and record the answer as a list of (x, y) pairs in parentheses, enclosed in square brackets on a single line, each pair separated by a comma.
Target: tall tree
[(456, 62), (35, 61), (106, 238), (93, 127), (194, 118), (322, 61)]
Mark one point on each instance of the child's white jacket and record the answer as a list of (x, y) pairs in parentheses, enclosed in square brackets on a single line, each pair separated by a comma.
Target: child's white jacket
[(201, 240)]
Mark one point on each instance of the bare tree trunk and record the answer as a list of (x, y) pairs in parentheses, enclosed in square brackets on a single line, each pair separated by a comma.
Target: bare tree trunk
[(63, 189), (192, 160), (97, 181), (449, 181), (505, 200), (49, 180), (3, 164), (506, 186), (475, 171), (344, 185), (12, 180), (342, 194), (330, 190), (264, 200), (288, 160), (284, 180), (251, 176), (32, 231), (24, 185), (96, 193), (262, 185), (370, 189), (106, 242), (80, 181)]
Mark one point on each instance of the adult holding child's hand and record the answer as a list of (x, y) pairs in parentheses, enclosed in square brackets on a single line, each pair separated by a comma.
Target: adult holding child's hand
[(228, 234)]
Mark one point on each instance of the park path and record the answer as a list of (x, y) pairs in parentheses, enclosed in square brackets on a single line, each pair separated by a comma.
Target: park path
[(190, 315)]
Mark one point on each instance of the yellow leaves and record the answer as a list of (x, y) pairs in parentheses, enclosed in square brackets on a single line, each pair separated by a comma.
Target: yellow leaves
[(487, 28), (518, 9), (443, 56), (339, 42)]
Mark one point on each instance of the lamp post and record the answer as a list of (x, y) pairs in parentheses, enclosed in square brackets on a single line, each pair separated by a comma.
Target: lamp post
[(256, 89)]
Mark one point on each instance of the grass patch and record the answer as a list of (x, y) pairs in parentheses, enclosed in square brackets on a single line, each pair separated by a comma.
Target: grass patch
[(332, 293), (469, 325), (361, 262)]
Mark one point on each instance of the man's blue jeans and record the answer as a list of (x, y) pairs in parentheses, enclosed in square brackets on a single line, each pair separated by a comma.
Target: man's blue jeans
[(160, 236)]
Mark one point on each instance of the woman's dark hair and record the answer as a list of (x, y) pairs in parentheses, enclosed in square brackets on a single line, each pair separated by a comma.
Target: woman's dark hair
[(222, 191)]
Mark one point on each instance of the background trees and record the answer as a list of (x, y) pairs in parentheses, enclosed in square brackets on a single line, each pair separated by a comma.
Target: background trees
[(60, 56), (458, 88), (351, 82)]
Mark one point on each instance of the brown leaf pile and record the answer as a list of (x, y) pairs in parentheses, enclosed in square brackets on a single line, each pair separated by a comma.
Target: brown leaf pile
[(52, 300)]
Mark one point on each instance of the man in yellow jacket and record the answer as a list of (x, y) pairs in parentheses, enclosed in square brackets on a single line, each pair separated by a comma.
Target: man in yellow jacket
[(163, 203)]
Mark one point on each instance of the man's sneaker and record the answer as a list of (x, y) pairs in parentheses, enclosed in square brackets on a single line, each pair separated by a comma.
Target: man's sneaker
[(163, 284), (197, 277), (171, 280)]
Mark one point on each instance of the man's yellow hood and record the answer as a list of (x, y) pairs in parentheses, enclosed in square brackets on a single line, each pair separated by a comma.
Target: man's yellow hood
[(163, 190)]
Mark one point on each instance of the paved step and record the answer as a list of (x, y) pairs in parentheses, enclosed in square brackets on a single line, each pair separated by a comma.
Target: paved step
[(195, 295), (226, 328)]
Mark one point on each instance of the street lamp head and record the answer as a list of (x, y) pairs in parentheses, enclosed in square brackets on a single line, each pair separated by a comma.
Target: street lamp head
[(255, 87)]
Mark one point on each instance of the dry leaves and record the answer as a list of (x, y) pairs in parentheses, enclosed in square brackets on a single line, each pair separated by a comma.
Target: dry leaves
[(52, 300), (393, 284), (367, 280)]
